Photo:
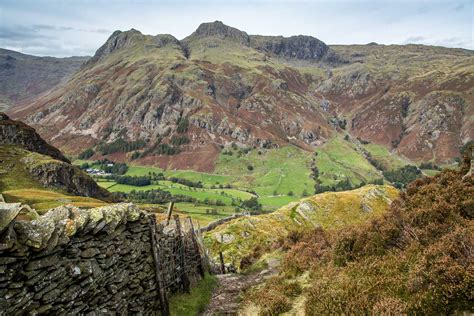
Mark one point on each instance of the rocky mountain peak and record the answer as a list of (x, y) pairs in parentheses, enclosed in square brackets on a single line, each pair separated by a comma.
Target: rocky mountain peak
[(219, 30), (116, 41)]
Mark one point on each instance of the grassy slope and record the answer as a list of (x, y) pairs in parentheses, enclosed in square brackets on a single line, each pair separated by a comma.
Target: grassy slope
[(331, 209), (387, 159), (338, 160), (17, 185), (413, 260)]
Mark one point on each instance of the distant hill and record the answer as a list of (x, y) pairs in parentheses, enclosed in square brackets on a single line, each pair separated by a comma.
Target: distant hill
[(24, 77), (177, 104)]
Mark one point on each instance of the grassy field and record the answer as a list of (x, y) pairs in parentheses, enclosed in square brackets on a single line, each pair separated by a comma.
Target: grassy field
[(206, 178), (274, 173), (204, 214), (277, 176)]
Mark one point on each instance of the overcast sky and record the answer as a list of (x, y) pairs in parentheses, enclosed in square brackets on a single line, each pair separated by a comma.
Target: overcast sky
[(79, 27)]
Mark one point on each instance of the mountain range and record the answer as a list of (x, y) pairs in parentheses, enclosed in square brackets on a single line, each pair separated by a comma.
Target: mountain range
[(178, 104), (24, 77)]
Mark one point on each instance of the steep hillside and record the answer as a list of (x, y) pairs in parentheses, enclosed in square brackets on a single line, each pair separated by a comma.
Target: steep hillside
[(245, 239), (414, 99), (32, 171), (19, 134), (24, 77), (415, 259), (176, 104)]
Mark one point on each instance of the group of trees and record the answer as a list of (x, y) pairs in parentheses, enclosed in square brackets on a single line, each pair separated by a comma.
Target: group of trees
[(179, 140), (156, 196), (186, 182), (86, 154), (165, 149), (120, 145), (133, 180), (402, 176)]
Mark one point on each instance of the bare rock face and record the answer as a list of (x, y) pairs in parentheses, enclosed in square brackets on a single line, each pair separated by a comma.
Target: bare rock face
[(299, 47), (20, 134)]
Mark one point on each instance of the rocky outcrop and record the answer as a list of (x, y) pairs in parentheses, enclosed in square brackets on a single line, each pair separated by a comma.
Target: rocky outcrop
[(299, 47), (64, 176), (19, 134)]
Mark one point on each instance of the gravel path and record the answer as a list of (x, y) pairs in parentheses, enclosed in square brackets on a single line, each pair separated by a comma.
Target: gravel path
[(226, 297)]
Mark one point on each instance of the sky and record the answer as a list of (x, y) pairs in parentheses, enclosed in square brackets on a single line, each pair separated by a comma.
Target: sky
[(79, 27)]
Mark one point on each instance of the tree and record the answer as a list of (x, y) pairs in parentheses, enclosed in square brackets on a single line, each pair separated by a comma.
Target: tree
[(251, 204)]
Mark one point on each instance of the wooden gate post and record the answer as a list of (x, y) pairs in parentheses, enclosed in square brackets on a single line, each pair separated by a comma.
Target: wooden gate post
[(182, 258), (170, 210), (155, 246), (196, 248), (221, 257)]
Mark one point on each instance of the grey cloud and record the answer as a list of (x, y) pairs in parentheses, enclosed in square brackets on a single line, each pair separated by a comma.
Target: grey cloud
[(446, 42), (18, 32), (44, 27), (69, 28), (455, 42), (414, 40), (461, 7)]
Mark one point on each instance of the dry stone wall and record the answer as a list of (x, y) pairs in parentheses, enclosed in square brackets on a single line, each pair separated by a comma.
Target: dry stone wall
[(98, 261)]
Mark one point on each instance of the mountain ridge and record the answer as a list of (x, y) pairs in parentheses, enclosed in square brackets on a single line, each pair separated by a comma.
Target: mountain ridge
[(24, 77), (294, 90)]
